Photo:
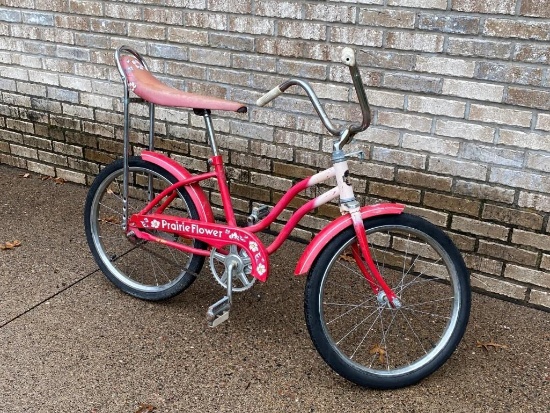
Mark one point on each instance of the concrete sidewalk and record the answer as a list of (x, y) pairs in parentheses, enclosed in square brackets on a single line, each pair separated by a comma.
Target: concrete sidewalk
[(71, 342)]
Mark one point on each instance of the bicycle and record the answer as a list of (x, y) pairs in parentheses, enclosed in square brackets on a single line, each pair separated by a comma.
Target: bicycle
[(387, 295)]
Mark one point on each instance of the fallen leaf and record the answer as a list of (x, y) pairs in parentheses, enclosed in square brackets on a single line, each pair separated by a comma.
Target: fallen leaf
[(9, 245), (45, 178), (111, 220), (490, 344), (185, 241), (347, 257), (59, 181), (381, 351), (27, 175), (145, 408)]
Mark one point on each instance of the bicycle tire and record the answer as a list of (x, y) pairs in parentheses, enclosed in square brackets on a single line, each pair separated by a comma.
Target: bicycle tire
[(359, 335), (146, 270)]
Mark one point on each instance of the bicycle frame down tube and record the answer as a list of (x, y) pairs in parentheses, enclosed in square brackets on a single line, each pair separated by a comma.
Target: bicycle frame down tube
[(285, 201), (299, 214)]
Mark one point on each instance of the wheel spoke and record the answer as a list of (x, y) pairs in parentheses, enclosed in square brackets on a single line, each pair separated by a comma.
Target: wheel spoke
[(353, 308), (146, 269), (361, 335), (364, 320)]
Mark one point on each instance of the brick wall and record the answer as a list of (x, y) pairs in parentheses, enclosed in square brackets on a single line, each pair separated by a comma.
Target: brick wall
[(461, 92)]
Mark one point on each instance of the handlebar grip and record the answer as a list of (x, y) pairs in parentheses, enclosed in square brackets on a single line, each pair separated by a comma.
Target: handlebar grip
[(348, 56), (269, 96)]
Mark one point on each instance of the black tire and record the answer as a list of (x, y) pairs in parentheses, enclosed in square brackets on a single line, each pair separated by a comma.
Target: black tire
[(361, 337), (146, 270)]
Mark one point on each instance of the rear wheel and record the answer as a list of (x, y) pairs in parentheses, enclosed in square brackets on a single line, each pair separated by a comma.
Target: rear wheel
[(363, 338), (147, 270)]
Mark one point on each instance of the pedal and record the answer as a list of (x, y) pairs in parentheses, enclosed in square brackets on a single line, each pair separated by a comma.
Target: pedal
[(258, 213), (218, 312)]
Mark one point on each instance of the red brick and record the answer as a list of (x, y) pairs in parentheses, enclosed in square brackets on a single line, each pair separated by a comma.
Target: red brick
[(532, 98), (534, 8), (451, 203), (487, 6), (532, 30), (508, 253), (394, 193)]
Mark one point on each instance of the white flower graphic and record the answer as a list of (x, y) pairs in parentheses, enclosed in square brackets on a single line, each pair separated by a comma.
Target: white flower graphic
[(155, 224), (260, 269), (137, 64), (253, 246)]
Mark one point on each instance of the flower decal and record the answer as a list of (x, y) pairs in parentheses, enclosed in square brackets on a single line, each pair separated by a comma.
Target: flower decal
[(137, 64), (132, 86), (253, 246), (260, 269), (155, 224)]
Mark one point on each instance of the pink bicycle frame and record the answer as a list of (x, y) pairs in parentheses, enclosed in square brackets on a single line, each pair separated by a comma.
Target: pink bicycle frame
[(145, 224), (220, 235)]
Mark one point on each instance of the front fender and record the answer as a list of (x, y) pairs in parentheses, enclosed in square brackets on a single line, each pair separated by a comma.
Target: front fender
[(195, 191), (335, 227)]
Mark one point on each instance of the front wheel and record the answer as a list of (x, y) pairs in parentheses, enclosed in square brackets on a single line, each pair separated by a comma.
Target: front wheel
[(358, 333)]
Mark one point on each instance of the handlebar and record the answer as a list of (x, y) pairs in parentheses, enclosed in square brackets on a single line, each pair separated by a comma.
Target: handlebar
[(345, 133)]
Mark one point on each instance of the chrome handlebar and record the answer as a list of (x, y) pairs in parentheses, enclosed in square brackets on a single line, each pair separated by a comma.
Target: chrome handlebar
[(344, 133)]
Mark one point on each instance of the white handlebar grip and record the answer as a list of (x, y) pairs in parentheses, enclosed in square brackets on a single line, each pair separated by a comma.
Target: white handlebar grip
[(269, 96), (348, 56)]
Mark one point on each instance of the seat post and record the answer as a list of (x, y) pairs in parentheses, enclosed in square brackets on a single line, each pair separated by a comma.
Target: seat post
[(150, 189), (205, 113), (151, 126)]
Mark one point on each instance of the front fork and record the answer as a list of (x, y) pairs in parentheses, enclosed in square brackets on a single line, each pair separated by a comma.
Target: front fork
[(361, 254), (360, 250)]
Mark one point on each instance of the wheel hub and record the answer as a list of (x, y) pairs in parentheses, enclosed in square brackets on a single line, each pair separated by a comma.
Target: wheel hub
[(383, 301)]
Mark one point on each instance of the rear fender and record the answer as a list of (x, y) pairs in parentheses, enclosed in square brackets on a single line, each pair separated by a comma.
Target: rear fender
[(195, 191), (335, 227)]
